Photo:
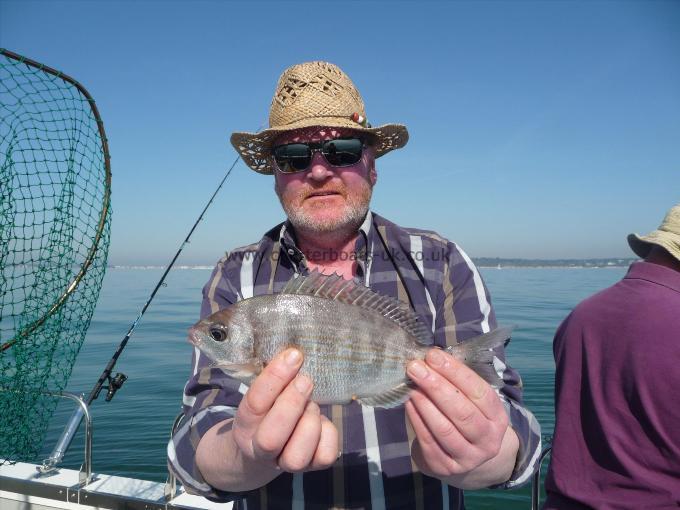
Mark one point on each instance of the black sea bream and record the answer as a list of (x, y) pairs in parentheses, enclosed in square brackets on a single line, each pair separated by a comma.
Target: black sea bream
[(356, 343)]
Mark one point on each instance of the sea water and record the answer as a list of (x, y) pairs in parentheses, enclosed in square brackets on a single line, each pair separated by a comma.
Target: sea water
[(131, 432)]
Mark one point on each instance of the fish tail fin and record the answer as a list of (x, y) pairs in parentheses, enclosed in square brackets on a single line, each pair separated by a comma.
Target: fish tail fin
[(477, 353)]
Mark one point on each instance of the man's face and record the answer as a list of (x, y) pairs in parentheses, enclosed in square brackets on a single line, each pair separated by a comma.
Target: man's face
[(326, 199)]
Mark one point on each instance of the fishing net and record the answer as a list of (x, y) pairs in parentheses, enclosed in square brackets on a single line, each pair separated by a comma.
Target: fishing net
[(54, 238)]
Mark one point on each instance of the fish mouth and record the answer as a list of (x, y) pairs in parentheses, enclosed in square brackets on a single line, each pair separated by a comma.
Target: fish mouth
[(194, 337)]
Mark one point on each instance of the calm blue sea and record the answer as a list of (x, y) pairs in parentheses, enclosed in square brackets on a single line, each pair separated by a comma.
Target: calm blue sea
[(131, 431)]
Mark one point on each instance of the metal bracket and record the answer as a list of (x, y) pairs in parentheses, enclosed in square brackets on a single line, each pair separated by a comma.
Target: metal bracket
[(49, 465)]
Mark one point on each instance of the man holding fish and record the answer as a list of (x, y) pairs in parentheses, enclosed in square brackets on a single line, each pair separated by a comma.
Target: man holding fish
[(344, 361)]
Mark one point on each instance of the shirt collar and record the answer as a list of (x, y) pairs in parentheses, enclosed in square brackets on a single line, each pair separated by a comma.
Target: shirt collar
[(655, 273), (367, 224)]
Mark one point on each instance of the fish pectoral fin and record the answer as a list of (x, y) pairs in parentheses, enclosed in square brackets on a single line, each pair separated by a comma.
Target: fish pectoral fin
[(390, 398), (244, 372)]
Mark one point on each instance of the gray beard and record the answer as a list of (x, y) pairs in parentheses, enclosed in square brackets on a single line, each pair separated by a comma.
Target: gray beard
[(349, 223), (356, 208)]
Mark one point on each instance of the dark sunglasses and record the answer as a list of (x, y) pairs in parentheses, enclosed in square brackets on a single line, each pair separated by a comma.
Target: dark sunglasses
[(296, 157)]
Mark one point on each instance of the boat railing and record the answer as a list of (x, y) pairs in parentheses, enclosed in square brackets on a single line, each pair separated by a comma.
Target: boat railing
[(170, 490), (51, 486), (536, 479), (49, 465)]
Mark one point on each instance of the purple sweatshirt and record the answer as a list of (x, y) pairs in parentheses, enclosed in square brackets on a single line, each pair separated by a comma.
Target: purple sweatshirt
[(617, 397)]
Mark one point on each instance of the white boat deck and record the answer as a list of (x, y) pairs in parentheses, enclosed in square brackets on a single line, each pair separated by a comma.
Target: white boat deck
[(23, 488)]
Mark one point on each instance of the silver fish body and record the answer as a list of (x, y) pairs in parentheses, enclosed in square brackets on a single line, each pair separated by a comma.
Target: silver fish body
[(356, 343)]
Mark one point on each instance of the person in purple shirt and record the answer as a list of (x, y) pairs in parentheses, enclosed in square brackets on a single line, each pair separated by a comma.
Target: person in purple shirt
[(617, 387), (269, 444)]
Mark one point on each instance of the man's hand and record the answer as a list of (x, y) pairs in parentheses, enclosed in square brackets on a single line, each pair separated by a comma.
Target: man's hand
[(278, 425), (276, 428), (462, 432)]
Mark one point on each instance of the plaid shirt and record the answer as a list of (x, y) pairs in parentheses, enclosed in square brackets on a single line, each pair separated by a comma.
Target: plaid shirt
[(375, 470)]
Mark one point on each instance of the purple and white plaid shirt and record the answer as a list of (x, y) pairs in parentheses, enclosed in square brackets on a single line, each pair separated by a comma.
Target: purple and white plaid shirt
[(375, 470)]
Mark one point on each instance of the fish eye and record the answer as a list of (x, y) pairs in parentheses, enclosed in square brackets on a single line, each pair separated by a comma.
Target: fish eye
[(218, 334)]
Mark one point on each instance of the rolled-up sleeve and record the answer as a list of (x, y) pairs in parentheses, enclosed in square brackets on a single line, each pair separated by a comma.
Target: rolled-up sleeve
[(464, 310), (210, 395)]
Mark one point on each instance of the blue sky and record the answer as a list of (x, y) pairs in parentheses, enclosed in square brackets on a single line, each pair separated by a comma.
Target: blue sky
[(538, 129)]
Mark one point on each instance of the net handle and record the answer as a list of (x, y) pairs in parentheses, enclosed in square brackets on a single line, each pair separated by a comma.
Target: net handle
[(105, 205)]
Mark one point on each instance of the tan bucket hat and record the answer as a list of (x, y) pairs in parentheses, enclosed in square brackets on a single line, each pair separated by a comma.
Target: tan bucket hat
[(667, 236), (314, 94)]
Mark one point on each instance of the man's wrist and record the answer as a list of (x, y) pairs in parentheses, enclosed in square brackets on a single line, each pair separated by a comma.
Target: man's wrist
[(495, 471), (223, 466)]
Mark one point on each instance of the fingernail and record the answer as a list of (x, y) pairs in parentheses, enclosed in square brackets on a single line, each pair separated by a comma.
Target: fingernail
[(436, 358), (293, 357), (302, 383), (417, 370)]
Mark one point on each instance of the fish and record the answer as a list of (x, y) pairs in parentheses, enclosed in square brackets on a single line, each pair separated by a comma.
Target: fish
[(356, 342)]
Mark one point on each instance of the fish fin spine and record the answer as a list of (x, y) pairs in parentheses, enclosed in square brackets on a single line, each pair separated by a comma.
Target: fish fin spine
[(390, 398), (351, 292)]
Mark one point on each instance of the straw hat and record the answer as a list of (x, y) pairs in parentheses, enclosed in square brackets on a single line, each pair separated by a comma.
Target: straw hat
[(314, 94), (667, 236)]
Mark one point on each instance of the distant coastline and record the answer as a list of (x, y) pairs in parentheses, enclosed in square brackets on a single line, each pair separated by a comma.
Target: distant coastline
[(481, 262), (497, 262)]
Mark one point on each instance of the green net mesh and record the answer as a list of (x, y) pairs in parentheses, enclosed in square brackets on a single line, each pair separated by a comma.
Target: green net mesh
[(54, 238)]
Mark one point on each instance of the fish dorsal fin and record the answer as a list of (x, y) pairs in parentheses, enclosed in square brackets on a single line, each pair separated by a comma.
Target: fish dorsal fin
[(351, 292)]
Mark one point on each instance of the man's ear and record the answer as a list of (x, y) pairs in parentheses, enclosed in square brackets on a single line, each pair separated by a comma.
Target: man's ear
[(372, 173), (276, 183)]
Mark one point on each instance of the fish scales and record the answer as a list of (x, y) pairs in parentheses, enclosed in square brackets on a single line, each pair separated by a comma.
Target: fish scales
[(348, 351)]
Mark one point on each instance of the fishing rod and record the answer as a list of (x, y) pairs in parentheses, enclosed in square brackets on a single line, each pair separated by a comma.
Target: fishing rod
[(117, 381)]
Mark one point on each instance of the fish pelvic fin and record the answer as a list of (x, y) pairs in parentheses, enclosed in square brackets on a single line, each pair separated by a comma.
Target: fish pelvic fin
[(391, 398), (478, 354), (352, 292), (244, 372)]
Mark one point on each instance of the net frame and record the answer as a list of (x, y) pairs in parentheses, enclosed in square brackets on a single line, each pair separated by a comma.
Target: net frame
[(71, 287)]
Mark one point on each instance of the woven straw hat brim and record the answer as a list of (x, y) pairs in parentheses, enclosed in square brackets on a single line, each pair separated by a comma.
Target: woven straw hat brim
[(642, 245), (255, 148)]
